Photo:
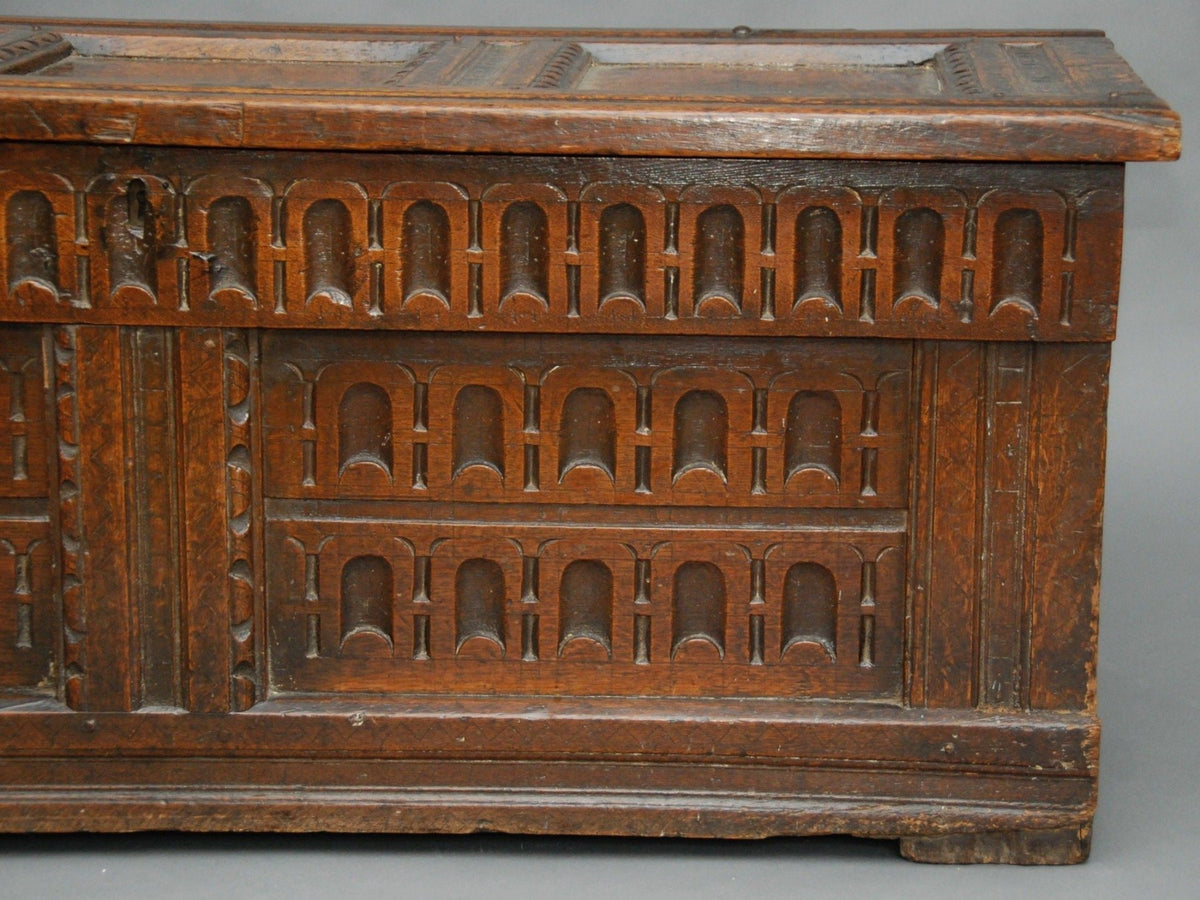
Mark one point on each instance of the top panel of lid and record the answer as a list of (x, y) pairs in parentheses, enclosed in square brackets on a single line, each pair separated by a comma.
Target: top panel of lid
[(1023, 96)]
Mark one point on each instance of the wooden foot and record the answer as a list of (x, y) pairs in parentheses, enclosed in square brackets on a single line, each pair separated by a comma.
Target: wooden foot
[(1057, 847)]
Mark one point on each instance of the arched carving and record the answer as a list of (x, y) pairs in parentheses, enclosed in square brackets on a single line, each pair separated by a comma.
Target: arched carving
[(588, 432), (328, 255), (367, 590), (701, 434), (1017, 255), (426, 251), (622, 260), (525, 252), (813, 435), (32, 242), (719, 258), (129, 231), (479, 604), (809, 609), (920, 249), (365, 427), (585, 605), (232, 245), (818, 256), (478, 429), (698, 607)]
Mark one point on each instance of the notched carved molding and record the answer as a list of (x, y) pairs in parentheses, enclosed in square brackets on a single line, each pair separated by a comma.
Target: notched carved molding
[(959, 70), (240, 487), (29, 51), (563, 68), (72, 552)]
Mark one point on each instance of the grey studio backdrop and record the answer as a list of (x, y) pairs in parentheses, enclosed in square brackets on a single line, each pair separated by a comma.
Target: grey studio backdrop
[(1149, 816)]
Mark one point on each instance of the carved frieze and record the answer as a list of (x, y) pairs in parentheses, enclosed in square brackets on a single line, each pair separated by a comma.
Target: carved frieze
[(672, 247)]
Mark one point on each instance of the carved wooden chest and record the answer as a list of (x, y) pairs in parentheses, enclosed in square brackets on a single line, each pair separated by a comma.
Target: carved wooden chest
[(598, 433)]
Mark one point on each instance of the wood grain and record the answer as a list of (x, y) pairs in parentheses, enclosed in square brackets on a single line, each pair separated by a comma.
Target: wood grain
[(768, 94), (653, 433)]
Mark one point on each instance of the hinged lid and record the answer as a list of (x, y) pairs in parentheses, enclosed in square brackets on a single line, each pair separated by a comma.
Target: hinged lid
[(1034, 96)]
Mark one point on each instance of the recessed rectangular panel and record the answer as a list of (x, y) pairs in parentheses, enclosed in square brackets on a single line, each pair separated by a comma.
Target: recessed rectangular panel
[(805, 71), (405, 603), (573, 420), (115, 61)]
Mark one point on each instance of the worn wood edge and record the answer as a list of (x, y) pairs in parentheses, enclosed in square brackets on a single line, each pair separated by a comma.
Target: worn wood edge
[(514, 810), (544, 126), (198, 317), (1046, 746), (166, 26), (1023, 847)]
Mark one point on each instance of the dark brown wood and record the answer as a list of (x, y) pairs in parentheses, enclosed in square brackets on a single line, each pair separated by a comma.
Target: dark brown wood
[(106, 632), (190, 271), (743, 93), (1023, 848), (206, 598), (593, 481)]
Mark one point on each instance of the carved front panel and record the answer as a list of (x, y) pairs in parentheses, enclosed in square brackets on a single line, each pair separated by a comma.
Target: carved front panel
[(548, 385), (472, 606), (474, 513), (587, 421)]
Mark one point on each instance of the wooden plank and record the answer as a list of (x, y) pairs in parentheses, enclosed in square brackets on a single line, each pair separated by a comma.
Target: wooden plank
[(105, 583), (946, 485), (206, 627), (266, 123), (664, 811), (1065, 524), (204, 277), (1005, 490), (154, 511), (843, 734)]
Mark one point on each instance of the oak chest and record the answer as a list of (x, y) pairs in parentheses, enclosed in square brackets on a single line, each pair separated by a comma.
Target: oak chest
[(636, 433)]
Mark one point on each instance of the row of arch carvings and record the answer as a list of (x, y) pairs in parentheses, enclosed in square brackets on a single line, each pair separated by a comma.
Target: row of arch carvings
[(635, 256), (588, 432), (699, 608)]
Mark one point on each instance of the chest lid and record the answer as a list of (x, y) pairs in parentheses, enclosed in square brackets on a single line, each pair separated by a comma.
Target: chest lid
[(1024, 96)]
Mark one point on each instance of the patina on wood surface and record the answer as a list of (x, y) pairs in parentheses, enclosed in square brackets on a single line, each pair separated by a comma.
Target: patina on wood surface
[(1052, 96), (603, 479)]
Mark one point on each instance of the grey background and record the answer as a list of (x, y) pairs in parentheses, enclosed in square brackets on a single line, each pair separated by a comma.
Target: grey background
[(1148, 820)]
